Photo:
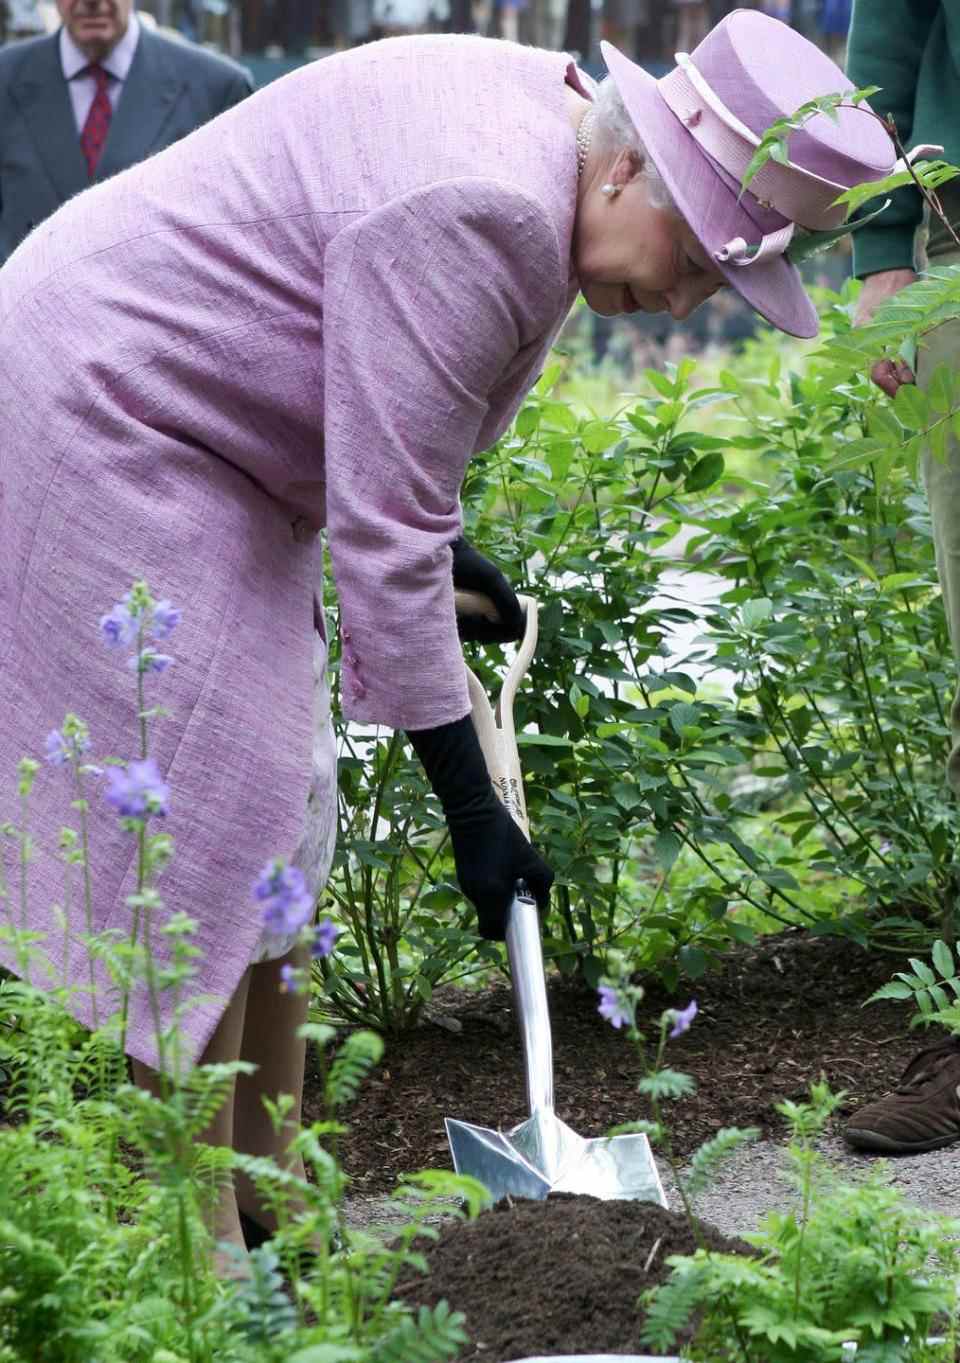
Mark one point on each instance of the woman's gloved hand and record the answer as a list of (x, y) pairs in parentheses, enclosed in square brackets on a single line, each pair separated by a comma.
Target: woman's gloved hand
[(474, 573), (490, 851)]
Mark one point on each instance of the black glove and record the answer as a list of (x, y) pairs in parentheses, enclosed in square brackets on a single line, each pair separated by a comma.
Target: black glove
[(490, 852), (474, 573)]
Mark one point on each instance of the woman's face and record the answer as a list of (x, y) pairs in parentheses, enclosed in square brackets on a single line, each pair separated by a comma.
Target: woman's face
[(632, 256)]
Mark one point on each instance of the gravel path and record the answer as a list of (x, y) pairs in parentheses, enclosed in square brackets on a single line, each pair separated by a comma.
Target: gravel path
[(755, 1179)]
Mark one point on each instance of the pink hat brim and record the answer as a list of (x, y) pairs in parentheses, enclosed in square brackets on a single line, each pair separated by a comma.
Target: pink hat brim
[(773, 287)]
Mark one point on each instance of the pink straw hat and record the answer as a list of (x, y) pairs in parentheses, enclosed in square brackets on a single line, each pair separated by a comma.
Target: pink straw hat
[(701, 125)]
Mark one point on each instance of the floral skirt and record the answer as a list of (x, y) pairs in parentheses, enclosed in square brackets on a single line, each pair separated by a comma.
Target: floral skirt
[(314, 854)]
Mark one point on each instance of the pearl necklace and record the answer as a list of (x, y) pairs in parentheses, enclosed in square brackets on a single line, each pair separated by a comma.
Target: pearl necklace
[(584, 134)]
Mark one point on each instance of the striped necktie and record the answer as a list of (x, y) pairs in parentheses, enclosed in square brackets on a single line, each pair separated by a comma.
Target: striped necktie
[(98, 119)]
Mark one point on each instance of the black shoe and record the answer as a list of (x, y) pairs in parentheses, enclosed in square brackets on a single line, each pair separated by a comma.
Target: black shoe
[(254, 1234)]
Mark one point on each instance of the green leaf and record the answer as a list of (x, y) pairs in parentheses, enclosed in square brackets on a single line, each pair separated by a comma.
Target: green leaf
[(922, 971), (912, 407), (664, 386), (693, 960), (527, 420), (896, 989), (938, 390), (579, 701), (705, 472), (598, 436), (943, 960), (666, 848), (683, 716), (534, 740), (757, 612)]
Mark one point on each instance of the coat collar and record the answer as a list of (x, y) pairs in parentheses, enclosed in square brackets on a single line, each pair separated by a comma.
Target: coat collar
[(150, 93)]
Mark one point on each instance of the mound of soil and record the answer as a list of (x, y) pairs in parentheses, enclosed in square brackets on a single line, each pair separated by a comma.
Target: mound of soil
[(555, 1277), (773, 1017)]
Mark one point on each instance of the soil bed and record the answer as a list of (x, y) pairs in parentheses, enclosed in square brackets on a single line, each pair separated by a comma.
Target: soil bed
[(773, 1017), (555, 1277)]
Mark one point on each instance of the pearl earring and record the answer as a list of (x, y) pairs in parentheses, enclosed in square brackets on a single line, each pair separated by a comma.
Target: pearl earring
[(610, 190)]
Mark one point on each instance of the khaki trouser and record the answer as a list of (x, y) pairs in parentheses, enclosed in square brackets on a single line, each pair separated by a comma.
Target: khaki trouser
[(942, 477)]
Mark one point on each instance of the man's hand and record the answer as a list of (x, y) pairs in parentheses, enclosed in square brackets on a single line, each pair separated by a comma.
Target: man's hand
[(877, 288)]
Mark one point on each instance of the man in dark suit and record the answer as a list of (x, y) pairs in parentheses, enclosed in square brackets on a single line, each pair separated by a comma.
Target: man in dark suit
[(99, 95)]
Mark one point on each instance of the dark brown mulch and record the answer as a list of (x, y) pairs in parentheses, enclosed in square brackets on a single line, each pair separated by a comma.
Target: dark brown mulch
[(773, 1017), (555, 1277)]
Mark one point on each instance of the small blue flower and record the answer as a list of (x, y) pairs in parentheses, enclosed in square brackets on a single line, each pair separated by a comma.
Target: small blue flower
[(682, 1018), (119, 627), (289, 979), (138, 791), (166, 617), (612, 1008), (324, 939), (149, 661), (61, 750), (282, 888)]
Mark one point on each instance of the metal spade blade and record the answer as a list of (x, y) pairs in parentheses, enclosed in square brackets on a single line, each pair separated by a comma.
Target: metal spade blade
[(543, 1155)]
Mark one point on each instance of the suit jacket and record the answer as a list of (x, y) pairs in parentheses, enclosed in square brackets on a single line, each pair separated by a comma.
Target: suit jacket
[(311, 311), (172, 88)]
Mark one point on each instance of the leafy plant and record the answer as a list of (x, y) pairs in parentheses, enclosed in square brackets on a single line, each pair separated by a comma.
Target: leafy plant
[(682, 813), (660, 1084), (930, 987), (106, 1189), (855, 1262)]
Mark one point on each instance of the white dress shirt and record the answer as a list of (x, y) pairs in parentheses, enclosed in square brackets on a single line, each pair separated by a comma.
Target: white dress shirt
[(83, 87)]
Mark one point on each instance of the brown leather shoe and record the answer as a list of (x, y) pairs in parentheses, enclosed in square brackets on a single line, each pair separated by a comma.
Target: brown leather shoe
[(922, 1113)]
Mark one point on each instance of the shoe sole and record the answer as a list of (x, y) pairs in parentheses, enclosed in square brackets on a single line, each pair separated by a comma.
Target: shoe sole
[(886, 1145)]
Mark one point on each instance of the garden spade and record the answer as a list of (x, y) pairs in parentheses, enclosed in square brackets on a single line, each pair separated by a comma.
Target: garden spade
[(542, 1155)]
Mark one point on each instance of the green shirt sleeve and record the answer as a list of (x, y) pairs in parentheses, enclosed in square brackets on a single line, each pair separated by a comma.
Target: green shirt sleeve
[(886, 47)]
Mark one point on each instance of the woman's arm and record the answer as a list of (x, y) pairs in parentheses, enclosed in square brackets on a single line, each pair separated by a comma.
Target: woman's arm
[(426, 302)]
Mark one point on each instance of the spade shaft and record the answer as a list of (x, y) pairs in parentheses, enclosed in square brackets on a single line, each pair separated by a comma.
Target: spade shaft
[(542, 1154)]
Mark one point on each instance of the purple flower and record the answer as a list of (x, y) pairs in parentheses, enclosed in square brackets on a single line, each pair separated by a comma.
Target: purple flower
[(288, 905), (138, 791), (682, 1018), (166, 617), (119, 627), (612, 1008), (289, 983), (61, 750), (149, 661), (324, 939)]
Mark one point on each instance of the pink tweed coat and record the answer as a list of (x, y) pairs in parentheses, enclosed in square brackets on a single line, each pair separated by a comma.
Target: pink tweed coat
[(310, 312)]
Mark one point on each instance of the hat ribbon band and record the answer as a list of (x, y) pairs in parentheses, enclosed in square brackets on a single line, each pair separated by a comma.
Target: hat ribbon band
[(738, 252), (919, 153), (793, 192)]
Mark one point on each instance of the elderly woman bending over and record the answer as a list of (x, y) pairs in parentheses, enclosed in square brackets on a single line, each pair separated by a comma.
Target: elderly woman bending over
[(306, 317)]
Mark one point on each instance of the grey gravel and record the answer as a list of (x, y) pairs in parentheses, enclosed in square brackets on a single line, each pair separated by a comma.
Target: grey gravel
[(754, 1181)]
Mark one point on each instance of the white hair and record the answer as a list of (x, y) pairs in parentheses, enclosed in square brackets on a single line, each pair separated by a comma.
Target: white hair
[(614, 131)]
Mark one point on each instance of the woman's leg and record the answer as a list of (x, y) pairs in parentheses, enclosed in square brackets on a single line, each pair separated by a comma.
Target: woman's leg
[(223, 1046), (271, 1043)]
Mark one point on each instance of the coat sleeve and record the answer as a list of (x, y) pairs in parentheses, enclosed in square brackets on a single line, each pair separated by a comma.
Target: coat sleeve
[(427, 300), (886, 46)]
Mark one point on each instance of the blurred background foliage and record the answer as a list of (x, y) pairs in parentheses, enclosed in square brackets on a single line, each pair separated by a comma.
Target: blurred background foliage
[(736, 717)]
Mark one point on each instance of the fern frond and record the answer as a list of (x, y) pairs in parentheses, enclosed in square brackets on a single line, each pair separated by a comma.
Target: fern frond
[(709, 1157), (430, 1336), (353, 1061)]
